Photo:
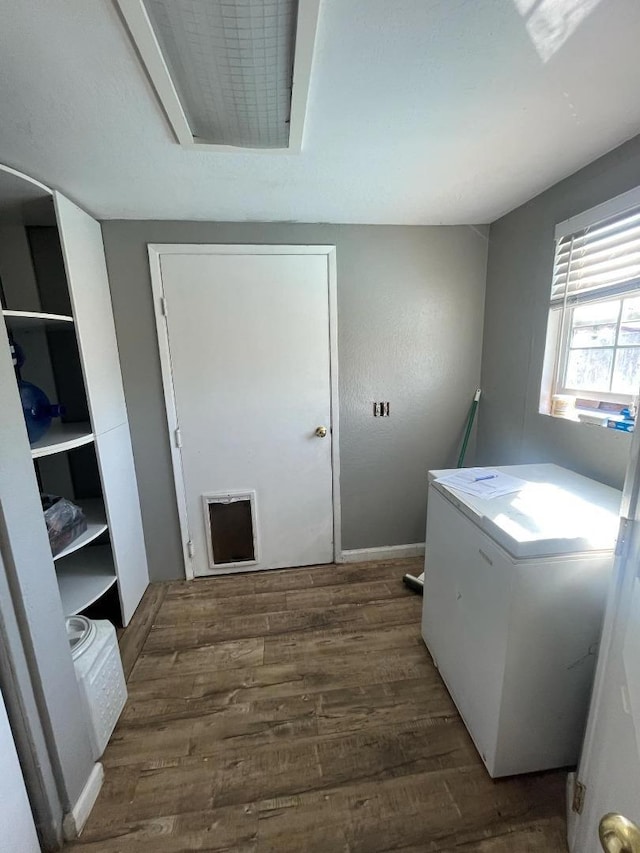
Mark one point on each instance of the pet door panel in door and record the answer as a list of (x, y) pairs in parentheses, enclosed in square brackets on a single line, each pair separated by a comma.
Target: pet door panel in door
[(231, 535)]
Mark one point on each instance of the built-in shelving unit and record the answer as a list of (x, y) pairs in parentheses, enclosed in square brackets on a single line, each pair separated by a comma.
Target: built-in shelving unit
[(56, 310), (84, 576), (31, 320), (96, 516), (62, 437), (86, 568)]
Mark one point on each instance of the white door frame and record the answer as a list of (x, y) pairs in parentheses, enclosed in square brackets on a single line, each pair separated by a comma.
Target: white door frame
[(156, 250)]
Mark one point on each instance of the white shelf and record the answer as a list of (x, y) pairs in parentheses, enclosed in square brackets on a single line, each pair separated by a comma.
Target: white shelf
[(96, 526), (62, 437), (84, 576), (28, 320)]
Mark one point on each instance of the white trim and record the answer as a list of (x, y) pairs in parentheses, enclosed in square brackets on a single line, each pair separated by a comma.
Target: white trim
[(74, 821), (170, 402), (231, 497), (240, 249), (335, 411), (622, 202), (156, 250), (306, 30), (144, 39), (570, 815), (26, 178), (386, 552)]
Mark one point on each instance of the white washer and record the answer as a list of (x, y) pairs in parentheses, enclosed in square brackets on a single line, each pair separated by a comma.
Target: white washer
[(514, 596)]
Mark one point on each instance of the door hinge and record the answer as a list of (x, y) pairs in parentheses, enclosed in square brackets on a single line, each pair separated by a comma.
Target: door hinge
[(178, 437), (623, 535), (579, 792), (163, 306), (190, 549)]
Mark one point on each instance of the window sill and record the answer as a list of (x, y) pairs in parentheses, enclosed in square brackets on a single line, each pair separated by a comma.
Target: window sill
[(591, 418)]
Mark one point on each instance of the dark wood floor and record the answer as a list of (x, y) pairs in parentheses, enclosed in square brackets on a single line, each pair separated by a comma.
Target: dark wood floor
[(299, 712)]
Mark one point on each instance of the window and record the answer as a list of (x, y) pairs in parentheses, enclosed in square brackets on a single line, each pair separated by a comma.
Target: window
[(593, 333)]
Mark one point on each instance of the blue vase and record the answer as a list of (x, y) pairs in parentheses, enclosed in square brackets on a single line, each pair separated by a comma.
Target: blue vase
[(37, 410)]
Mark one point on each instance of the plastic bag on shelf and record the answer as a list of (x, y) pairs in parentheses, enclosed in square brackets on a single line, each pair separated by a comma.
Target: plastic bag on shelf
[(65, 521)]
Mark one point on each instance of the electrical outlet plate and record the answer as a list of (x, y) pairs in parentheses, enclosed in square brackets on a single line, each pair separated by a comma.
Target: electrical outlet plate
[(381, 409)]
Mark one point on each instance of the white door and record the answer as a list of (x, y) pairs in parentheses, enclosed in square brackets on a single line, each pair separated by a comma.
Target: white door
[(248, 373), (18, 833), (610, 763)]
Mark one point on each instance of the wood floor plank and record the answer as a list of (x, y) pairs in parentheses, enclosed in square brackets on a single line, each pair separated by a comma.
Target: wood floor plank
[(247, 725), (329, 712), (396, 611), (214, 587), (188, 634), (231, 717), (211, 607), (224, 830), (286, 580), (546, 834), (405, 811), (299, 824), (399, 740), (173, 787), (245, 772), (356, 593), (206, 605), (338, 642), (299, 712), (334, 575), (419, 746), (227, 655), (215, 688), (386, 704), (149, 745), (230, 778)]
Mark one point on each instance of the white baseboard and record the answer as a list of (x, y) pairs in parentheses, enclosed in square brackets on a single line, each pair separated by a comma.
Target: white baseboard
[(386, 552), (571, 815), (73, 822)]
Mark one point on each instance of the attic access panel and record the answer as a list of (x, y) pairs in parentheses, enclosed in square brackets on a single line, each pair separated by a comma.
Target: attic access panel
[(233, 74)]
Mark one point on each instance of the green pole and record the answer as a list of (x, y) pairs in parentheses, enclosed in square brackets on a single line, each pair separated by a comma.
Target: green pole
[(472, 415)]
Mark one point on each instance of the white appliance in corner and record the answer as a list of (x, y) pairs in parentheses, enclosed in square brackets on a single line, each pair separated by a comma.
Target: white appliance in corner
[(514, 597), (98, 667)]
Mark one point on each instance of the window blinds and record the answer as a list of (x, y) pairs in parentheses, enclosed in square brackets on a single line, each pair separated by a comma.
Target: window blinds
[(598, 261)]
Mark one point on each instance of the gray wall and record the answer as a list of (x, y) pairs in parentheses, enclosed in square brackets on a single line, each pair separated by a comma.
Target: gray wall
[(521, 249), (410, 306)]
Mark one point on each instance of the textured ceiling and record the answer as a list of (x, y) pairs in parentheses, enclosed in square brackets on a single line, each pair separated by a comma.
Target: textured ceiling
[(420, 111)]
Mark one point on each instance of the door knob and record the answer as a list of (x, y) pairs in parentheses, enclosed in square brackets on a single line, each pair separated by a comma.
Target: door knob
[(321, 431), (618, 834)]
